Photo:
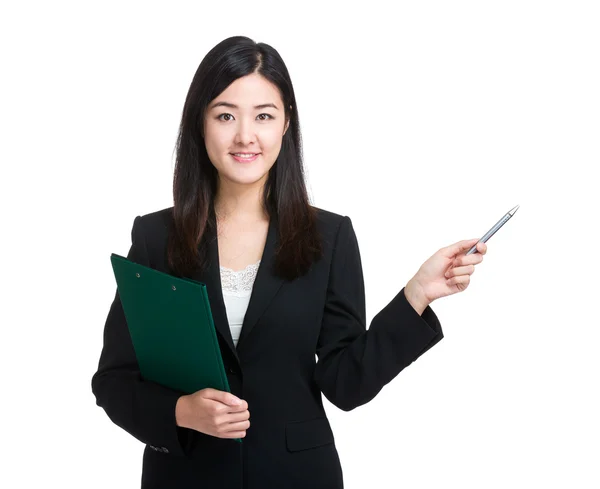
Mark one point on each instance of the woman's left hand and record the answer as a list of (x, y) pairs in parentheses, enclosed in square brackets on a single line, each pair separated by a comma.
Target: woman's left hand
[(448, 271)]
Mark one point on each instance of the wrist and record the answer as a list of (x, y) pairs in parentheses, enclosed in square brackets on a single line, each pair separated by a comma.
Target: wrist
[(182, 410), (415, 297)]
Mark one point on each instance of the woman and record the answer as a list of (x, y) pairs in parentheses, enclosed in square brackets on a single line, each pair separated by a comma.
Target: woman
[(285, 282)]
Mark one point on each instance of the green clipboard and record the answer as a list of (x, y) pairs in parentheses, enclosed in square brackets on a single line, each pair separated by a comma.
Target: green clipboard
[(171, 327)]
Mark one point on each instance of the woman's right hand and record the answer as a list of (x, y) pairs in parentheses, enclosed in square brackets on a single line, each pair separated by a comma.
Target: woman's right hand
[(214, 413)]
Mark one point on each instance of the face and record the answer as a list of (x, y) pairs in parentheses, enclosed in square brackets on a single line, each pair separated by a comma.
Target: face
[(247, 117)]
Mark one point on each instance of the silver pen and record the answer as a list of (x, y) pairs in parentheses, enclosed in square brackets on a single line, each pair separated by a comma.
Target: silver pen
[(495, 228)]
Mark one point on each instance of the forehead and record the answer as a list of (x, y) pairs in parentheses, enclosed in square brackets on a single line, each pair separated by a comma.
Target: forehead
[(249, 91)]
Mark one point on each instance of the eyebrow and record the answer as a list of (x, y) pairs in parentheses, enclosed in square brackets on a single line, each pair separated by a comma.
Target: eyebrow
[(233, 106)]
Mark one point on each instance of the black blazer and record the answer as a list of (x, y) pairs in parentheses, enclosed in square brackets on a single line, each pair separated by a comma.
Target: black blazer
[(290, 443)]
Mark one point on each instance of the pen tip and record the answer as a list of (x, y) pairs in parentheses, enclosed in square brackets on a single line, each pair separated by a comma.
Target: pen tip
[(513, 210)]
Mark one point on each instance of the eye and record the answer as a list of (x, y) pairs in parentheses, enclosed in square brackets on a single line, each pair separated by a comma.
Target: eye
[(220, 117)]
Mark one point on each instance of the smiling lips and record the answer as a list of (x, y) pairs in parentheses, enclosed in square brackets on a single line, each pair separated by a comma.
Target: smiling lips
[(245, 157)]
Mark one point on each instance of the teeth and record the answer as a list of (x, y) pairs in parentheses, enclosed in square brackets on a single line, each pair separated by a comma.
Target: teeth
[(245, 155)]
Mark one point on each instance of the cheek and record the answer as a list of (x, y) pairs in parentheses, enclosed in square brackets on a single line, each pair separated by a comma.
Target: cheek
[(271, 140), (216, 141)]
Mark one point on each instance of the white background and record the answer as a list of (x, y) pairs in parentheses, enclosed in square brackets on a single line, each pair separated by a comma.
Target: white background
[(437, 116)]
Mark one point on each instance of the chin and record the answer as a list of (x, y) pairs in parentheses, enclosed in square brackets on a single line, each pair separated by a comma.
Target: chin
[(246, 179)]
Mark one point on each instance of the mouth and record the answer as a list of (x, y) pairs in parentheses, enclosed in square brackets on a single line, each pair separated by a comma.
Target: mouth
[(244, 157)]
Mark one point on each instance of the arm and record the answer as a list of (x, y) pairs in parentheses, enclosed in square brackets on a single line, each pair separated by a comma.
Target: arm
[(355, 363), (144, 409)]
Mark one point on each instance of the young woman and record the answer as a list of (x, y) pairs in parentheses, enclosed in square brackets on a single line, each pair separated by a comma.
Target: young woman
[(285, 283)]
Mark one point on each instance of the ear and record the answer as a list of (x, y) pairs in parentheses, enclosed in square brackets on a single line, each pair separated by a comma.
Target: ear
[(287, 123)]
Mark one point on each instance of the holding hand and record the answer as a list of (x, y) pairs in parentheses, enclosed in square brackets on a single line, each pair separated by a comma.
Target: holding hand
[(214, 413), (446, 272)]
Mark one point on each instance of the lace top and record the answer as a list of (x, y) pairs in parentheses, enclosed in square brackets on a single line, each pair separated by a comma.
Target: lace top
[(237, 289), (239, 283)]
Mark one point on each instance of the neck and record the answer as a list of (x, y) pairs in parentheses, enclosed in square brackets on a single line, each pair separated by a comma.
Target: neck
[(240, 203)]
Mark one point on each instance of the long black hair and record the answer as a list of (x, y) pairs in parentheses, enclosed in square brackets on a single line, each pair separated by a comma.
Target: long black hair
[(195, 180)]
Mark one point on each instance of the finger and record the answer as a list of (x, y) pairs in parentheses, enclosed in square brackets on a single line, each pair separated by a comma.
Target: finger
[(466, 270), (234, 434), (237, 409), (228, 428), (481, 247), (460, 246), (472, 259), (460, 279), (238, 426), (236, 417), (226, 408), (222, 396), (226, 424)]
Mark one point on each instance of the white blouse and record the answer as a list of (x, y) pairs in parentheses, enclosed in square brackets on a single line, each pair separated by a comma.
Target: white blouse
[(237, 288)]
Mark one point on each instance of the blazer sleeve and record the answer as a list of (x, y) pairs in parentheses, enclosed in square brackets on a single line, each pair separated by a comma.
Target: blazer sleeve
[(144, 409), (355, 363)]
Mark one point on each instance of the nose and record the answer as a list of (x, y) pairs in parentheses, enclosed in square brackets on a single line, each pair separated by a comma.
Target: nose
[(245, 133)]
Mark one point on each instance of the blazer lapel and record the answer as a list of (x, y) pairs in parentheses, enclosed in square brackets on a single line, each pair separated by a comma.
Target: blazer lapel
[(265, 287)]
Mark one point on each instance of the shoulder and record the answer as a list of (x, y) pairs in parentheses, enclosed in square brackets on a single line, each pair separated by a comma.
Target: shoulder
[(333, 226), (328, 218), (153, 229), (157, 222)]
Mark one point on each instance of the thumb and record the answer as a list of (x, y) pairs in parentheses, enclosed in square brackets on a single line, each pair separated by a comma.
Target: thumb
[(456, 248), (233, 400), (222, 396)]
